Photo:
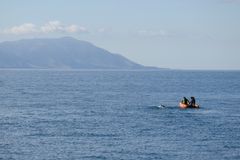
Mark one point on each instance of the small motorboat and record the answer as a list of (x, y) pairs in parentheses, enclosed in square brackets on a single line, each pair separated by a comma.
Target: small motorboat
[(183, 106)]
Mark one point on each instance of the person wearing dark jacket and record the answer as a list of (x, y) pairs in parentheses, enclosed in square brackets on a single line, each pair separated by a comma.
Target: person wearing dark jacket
[(192, 102), (185, 101)]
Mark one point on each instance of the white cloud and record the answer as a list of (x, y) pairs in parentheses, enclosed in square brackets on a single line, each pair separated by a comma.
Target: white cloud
[(49, 27), (57, 26), (25, 28), (75, 28), (52, 26)]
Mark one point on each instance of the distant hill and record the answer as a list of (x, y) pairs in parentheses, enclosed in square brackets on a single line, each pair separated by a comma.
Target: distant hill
[(61, 53)]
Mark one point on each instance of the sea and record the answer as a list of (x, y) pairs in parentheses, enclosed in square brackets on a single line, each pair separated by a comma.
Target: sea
[(119, 115)]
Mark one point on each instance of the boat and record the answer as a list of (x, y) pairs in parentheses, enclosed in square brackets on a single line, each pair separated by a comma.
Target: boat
[(183, 106)]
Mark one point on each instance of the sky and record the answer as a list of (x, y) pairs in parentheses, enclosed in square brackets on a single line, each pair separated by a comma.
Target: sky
[(177, 34)]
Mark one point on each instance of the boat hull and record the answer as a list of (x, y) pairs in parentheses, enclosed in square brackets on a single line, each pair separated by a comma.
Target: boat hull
[(183, 106)]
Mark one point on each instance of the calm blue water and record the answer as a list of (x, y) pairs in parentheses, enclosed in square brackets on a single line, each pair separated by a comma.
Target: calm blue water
[(115, 115)]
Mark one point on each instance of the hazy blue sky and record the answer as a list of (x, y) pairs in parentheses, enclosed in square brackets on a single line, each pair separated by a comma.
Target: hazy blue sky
[(181, 34)]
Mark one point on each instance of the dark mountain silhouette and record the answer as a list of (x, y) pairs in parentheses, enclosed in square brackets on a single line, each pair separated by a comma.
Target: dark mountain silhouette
[(61, 53)]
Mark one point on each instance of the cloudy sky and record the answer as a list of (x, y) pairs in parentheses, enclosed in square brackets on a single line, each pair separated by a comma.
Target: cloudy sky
[(179, 34)]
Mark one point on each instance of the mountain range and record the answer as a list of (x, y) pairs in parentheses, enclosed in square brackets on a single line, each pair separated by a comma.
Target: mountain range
[(61, 53)]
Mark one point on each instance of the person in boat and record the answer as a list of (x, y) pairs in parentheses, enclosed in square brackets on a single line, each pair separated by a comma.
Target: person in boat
[(185, 101), (192, 102)]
